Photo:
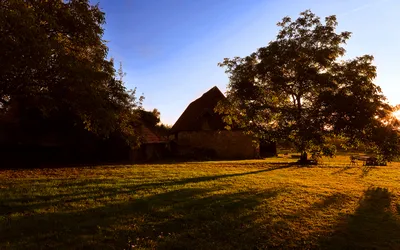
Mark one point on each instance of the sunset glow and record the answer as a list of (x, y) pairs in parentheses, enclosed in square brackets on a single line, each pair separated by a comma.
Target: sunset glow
[(397, 114)]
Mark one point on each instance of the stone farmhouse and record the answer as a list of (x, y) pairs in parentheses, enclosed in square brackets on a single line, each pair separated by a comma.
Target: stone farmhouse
[(200, 131)]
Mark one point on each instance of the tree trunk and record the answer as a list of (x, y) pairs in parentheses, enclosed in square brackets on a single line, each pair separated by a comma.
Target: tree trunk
[(303, 157)]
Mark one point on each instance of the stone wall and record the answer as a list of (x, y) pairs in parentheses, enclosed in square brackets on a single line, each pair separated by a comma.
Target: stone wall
[(225, 144)]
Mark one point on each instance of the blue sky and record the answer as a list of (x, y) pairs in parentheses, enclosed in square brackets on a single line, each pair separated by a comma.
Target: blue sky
[(170, 48)]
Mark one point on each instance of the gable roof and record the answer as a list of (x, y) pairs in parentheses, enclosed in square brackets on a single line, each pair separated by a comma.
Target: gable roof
[(191, 118), (150, 137)]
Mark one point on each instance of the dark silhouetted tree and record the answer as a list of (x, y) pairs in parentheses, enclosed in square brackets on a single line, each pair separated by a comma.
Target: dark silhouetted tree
[(54, 70), (151, 119), (299, 88)]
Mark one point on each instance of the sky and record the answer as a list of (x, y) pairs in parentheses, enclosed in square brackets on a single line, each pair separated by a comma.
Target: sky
[(169, 49)]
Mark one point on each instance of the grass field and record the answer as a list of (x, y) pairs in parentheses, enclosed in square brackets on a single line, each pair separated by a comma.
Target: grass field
[(210, 205)]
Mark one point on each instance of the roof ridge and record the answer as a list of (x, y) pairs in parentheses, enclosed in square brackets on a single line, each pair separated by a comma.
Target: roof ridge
[(193, 110)]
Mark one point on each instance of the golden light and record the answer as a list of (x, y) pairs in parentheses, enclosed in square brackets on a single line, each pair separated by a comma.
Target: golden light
[(397, 114)]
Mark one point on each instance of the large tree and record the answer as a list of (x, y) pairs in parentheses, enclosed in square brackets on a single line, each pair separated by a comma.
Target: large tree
[(54, 70), (299, 88)]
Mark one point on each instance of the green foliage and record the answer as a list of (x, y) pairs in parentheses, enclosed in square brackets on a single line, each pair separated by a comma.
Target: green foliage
[(299, 88), (54, 69), (151, 119)]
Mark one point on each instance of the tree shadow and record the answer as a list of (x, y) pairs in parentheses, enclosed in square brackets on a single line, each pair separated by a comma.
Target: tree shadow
[(287, 228), (28, 204), (177, 219), (336, 199), (321, 165), (212, 177), (342, 170), (32, 166), (365, 170), (372, 226)]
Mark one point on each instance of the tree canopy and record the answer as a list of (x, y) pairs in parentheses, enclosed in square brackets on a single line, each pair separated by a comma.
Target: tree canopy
[(151, 120), (300, 88), (54, 70)]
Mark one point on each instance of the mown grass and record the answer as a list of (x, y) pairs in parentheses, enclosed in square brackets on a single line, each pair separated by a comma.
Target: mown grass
[(207, 205)]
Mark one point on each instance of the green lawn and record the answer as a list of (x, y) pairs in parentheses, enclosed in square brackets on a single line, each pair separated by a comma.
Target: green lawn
[(209, 205)]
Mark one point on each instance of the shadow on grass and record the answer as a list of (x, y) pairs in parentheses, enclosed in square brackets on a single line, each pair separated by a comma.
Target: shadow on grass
[(181, 219), (33, 166), (372, 226), (28, 204), (213, 177), (365, 170), (336, 200), (342, 170), (168, 161), (301, 229), (204, 218)]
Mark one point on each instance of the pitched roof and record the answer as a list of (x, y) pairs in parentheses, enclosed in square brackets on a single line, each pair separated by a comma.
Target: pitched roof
[(150, 137), (190, 120)]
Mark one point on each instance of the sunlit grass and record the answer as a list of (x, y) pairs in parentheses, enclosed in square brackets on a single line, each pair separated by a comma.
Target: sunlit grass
[(204, 205)]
